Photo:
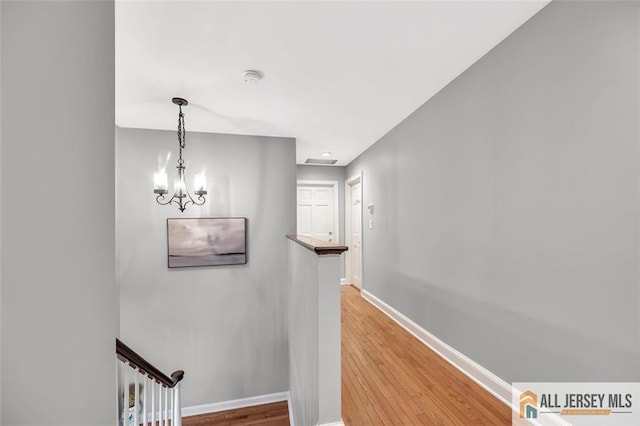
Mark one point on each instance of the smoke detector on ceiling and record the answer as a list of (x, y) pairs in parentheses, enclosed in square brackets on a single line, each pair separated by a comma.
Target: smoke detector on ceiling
[(252, 77)]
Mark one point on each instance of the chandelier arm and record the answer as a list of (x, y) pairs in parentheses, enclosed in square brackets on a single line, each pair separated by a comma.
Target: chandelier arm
[(160, 198), (182, 206), (173, 200), (178, 202), (200, 201)]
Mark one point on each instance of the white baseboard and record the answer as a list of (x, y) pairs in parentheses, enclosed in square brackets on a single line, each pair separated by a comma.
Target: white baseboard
[(340, 423), (237, 403), (343, 281), (485, 378), (291, 420)]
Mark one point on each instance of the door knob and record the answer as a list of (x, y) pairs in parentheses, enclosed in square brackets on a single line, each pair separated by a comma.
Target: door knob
[(330, 233)]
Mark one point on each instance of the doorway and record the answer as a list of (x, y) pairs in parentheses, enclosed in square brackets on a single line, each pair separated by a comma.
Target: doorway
[(317, 206), (353, 235)]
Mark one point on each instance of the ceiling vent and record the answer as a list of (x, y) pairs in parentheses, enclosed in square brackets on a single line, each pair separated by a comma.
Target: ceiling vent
[(320, 161)]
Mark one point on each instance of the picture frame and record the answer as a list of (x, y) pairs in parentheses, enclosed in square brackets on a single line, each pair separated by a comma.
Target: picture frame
[(195, 242)]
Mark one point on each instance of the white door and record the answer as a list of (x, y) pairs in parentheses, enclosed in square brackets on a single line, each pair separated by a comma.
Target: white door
[(356, 236), (316, 212)]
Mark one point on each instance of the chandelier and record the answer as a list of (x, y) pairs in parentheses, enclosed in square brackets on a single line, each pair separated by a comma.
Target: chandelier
[(181, 196)]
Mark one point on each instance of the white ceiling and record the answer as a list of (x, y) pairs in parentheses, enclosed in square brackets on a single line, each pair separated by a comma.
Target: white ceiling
[(338, 76)]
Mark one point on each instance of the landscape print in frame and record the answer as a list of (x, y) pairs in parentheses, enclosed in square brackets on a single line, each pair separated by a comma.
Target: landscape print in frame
[(206, 242)]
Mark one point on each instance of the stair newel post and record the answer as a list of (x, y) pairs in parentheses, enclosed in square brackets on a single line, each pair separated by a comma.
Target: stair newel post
[(177, 412)]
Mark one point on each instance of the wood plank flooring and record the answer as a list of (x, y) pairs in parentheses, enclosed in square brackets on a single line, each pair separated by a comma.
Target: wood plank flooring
[(391, 378), (388, 378), (275, 414)]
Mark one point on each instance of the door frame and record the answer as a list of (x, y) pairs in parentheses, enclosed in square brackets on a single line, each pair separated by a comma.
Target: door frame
[(348, 183), (336, 207)]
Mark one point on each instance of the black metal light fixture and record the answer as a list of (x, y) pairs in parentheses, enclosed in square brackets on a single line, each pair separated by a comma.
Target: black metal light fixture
[(181, 196)]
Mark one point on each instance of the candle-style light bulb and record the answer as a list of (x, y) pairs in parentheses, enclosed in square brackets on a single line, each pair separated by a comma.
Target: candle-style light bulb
[(160, 185), (179, 187), (199, 184)]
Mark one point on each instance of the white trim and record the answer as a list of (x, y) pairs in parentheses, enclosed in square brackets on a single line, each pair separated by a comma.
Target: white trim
[(348, 183), (485, 378), (340, 423), (354, 178), (292, 422), (236, 403), (336, 197), (290, 407)]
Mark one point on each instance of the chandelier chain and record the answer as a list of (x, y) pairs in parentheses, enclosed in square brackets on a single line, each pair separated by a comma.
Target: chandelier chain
[(181, 135)]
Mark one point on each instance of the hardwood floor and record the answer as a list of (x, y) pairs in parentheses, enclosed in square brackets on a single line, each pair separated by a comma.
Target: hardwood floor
[(391, 378), (276, 414), (388, 378)]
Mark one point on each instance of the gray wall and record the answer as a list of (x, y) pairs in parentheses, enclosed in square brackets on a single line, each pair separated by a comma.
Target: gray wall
[(506, 218), (0, 216), (59, 304), (329, 173), (314, 345), (225, 326), (303, 309)]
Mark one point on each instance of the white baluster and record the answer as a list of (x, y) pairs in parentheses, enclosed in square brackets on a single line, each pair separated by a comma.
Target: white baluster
[(177, 409), (118, 387), (136, 401), (144, 400), (170, 406), (153, 402), (166, 406), (157, 406), (125, 396), (160, 405)]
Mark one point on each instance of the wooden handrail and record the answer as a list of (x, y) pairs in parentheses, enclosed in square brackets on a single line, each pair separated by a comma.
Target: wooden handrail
[(128, 355), (319, 247)]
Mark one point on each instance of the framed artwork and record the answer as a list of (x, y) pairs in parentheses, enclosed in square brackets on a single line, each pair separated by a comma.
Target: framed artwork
[(207, 242)]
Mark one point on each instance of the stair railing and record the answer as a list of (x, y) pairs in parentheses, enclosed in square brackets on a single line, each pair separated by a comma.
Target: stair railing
[(145, 394)]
